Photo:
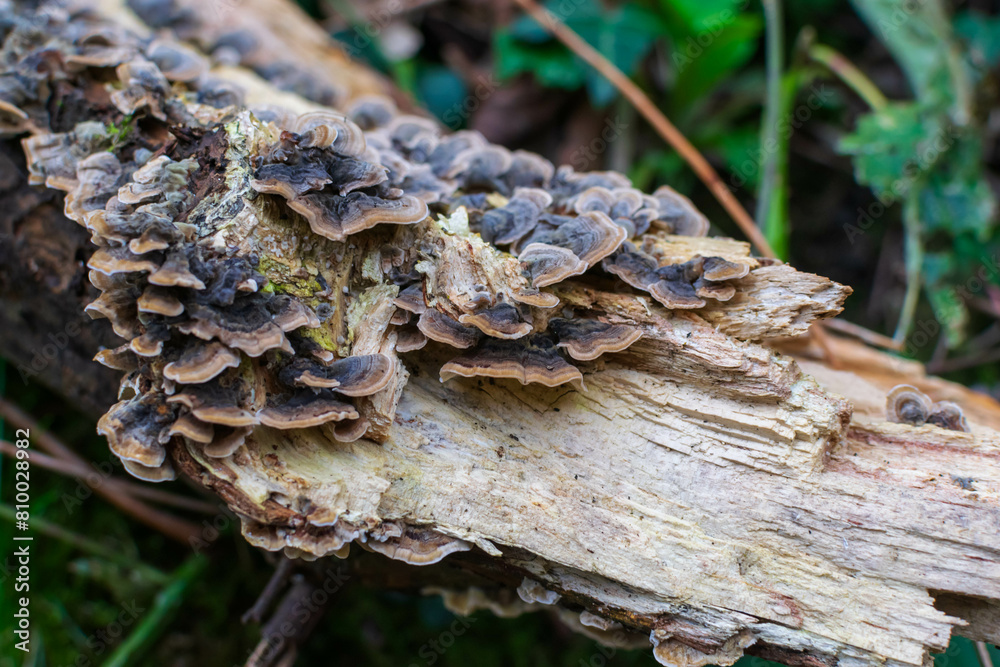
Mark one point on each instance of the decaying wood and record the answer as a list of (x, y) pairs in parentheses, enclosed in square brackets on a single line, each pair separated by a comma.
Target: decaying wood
[(703, 494)]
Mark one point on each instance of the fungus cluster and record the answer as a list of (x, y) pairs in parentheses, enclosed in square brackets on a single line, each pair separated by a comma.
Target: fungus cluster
[(268, 265), (905, 404)]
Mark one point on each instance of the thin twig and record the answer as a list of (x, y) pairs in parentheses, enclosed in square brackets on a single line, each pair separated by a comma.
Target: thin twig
[(868, 336), (655, 117), (176, 528), (984, 654), (274, 586), (848, 72), (84, 475), (772, 108)]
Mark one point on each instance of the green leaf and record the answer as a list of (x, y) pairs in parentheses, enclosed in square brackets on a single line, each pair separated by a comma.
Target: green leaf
[(550, 63), (894, 147), (701, 60)]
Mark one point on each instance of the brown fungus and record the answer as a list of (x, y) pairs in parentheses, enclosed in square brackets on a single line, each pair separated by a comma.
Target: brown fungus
[(948, 415), (176, 272), (905, 404), (159, 301), (201, 363), (444, 329), (337, 217), (360, 375), (227, 442), (500, 321), (193, 429), (586, 340), (304, 409), (529, 360)]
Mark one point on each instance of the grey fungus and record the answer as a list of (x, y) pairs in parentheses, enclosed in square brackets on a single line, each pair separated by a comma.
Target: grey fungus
[(360, 375), (111, 261), (586, 340), (246, 326), (162, 473), (549, 264), (410, 340), (677, 215), (534, 359), (176, 272), (418, 546), (176, 61), (337, 217)]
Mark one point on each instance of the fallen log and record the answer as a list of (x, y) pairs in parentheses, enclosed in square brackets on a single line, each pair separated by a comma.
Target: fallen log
[(690, 488)]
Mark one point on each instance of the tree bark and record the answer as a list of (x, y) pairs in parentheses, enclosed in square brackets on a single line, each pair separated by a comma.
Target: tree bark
[(704, 494)]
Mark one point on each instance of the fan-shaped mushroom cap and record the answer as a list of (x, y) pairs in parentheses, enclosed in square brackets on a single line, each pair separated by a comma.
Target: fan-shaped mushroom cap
[(511, 222), (119, 307), (292, 314), (400, 317), (411, 299), (444, 329), (536, 298), (133, 428), (480, 166), (500, 321), (350, 430), (325, 129), (718, 269), (594, 199), (586, 340), (227, 443), (162, 473), (678, 214), (176, 61), (110, 261), (305, 409), (337, 217), (225, 415), (120, 358), (449, 148), (527, 360), (159, 301), (676, 295), (200, 363), (549, 264), (144, 87), (149, 344), (418, 546), (360, 375), (591, 236), (717, 291), (246, 325), (372, 111), (948, 415), (410, 340), (528, 170), (152, 240), (193, 429), (905, 404), (176, 272)]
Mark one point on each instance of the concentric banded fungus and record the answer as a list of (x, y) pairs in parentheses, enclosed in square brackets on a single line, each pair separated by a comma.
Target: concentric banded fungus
[(512, 221), (161, 473), (304, 409), (533, 359), (158, 301), (226, 443), (948, 415), (337, 217), (176, 272), (585, 340), (442, 328), (201, 363), (678, 215), (905, 404), (192, 429), (418, 546), (137, 428), (500, 321), (361, 375), (591, 236), (549, 264), (246, 326), (409, 340)]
